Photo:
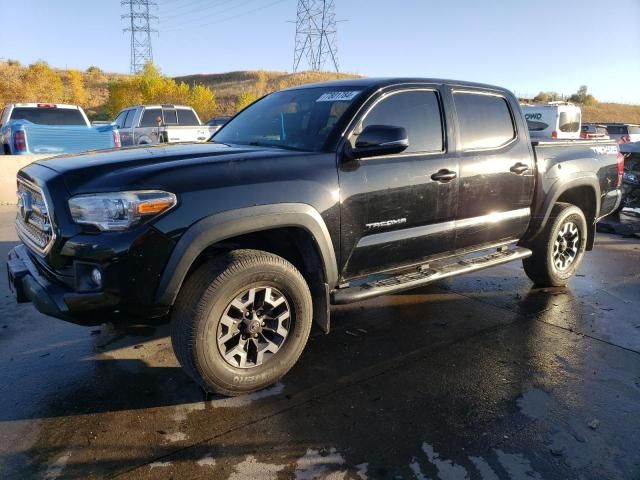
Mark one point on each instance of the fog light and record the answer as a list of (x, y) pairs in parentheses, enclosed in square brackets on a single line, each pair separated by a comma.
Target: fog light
[(96, 277)]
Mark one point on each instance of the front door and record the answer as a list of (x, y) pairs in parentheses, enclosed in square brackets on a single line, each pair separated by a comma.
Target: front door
[(399, 209), (496, 171)]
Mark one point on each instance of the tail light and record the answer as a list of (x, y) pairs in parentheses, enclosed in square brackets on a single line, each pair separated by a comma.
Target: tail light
[(620, 168), (554, 134), (116, 139), (20, 141)]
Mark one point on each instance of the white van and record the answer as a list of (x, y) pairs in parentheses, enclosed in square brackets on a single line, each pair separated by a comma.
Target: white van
[(559, 120)]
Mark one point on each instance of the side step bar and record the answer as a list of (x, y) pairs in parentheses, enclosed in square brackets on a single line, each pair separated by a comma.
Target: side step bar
[(425, 275)]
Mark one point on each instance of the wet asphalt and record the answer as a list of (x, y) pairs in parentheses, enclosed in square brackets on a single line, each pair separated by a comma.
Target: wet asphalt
[(480, 376)]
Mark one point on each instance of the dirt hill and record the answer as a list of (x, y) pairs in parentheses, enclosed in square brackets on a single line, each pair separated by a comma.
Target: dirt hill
[(227, 86)]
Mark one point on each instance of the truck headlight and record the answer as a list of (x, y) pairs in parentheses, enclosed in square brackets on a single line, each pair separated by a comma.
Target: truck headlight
[(119, 210)]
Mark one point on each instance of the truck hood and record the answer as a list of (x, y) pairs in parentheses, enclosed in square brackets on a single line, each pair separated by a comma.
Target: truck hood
[(152, 166)]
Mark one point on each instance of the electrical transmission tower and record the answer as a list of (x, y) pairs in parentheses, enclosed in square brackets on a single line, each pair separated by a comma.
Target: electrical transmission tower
[(316, 34), (139, 20)]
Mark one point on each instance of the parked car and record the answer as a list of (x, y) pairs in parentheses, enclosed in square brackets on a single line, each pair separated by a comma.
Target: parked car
[(321, 194), (593, 131), (151, 124), (624, 132), (219, 121), (555, 120), (51, 128)]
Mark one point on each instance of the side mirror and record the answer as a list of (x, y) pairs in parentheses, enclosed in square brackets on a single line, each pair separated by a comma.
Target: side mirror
[(378, 140)]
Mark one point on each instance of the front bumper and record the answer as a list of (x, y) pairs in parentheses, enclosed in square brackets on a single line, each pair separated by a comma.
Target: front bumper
[(30, 285)]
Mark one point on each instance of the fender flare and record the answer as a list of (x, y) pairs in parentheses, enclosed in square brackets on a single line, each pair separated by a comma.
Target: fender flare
[(218, 227), (542, 213)]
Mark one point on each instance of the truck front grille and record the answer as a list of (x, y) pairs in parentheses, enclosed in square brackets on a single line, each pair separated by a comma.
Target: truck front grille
[(33, 221)]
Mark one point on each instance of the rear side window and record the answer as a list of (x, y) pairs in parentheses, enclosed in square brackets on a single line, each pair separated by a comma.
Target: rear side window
[(617, 129), (485, 121), (49, 116), (418, 112), (170, 117), (129, 120), (187, 117), (633, 129), (150, 116), (569, 122)]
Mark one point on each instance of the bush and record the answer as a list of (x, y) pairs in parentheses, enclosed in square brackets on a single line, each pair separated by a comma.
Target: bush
[(245, 99)]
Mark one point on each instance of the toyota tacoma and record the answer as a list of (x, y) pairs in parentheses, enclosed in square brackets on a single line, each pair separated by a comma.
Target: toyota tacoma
[(312, 196)]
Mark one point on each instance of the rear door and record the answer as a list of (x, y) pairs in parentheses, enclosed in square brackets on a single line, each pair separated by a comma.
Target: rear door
[(496, 169), (393, 213)]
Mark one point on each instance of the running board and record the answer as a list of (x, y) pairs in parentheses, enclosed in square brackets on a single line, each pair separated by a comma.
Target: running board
[(426, 274)]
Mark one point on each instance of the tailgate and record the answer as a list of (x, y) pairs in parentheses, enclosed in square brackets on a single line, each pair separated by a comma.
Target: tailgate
[(187, 134)]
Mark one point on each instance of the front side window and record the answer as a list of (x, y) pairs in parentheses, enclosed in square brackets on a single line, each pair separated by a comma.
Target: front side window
[(300, 119), (418, 112), (129, 120), (569, 122), (150, 117), (485, 121), (119, 121)]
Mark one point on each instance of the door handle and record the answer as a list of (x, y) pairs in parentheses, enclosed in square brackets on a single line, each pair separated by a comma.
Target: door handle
[(519, 168), (444, 175)]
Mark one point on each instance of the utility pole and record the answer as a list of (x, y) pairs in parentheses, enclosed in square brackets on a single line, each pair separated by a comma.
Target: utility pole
[(316, 34), (139, 20)]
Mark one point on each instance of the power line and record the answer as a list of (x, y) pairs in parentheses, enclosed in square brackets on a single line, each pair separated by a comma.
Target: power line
[(221, 20), (210, 12), (139, 20), (316, 34)]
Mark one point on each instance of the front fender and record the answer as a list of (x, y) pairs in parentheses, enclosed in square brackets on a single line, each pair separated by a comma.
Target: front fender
[(221, 226)]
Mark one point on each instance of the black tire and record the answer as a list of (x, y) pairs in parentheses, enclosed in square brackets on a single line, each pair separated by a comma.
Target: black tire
[(542, 267), (209, 294)]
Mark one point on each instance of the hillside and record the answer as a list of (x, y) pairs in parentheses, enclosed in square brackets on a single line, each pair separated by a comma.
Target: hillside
[(227, 86)]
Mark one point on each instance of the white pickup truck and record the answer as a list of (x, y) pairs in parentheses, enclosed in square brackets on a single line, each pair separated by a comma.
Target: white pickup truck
[(151, 124)]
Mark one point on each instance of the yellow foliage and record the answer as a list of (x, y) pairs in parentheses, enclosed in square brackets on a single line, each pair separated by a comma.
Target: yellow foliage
[(203, 100), (42, 84), (245, 99), (151, 87), (261, 83), (76, 93)]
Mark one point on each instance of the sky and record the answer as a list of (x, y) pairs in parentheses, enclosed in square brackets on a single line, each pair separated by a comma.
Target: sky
[(526, 46)]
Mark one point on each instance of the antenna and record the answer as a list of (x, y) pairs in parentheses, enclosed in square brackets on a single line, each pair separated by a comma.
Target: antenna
[(140, 28), (316, 33)]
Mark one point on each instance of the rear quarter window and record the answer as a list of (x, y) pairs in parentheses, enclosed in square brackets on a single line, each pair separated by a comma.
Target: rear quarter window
[(485, 121), (187, 118)]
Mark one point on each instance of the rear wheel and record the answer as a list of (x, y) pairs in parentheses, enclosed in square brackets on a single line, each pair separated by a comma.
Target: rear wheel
[(241, 321), (560, 247)]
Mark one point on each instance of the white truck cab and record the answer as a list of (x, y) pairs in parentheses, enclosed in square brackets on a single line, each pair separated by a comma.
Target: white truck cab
[(555, 120), (151, 124)]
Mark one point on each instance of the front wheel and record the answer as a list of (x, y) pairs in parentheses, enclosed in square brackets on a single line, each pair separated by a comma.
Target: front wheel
[(241, 321), (560, 247)]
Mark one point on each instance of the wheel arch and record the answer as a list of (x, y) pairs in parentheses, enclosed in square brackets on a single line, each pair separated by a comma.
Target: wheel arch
[(584, 192), (307, 241)]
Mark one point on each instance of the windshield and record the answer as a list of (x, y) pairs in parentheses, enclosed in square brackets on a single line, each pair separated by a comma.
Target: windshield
[(295, 119), (49, 116)]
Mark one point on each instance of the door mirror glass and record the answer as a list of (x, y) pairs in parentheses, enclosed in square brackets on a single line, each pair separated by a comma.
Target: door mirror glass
[(378, 140)]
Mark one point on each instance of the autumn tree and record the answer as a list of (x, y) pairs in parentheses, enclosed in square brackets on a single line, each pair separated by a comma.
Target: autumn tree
[(245, 99), (42, 84), (544, 97), (583, 97), (76, 93), (203, 100)]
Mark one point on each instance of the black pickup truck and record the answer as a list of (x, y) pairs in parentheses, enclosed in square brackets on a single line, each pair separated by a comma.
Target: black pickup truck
[(318, 195)]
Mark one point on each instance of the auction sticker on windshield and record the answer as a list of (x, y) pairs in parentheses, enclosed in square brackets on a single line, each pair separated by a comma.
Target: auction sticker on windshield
[(337, 96)]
